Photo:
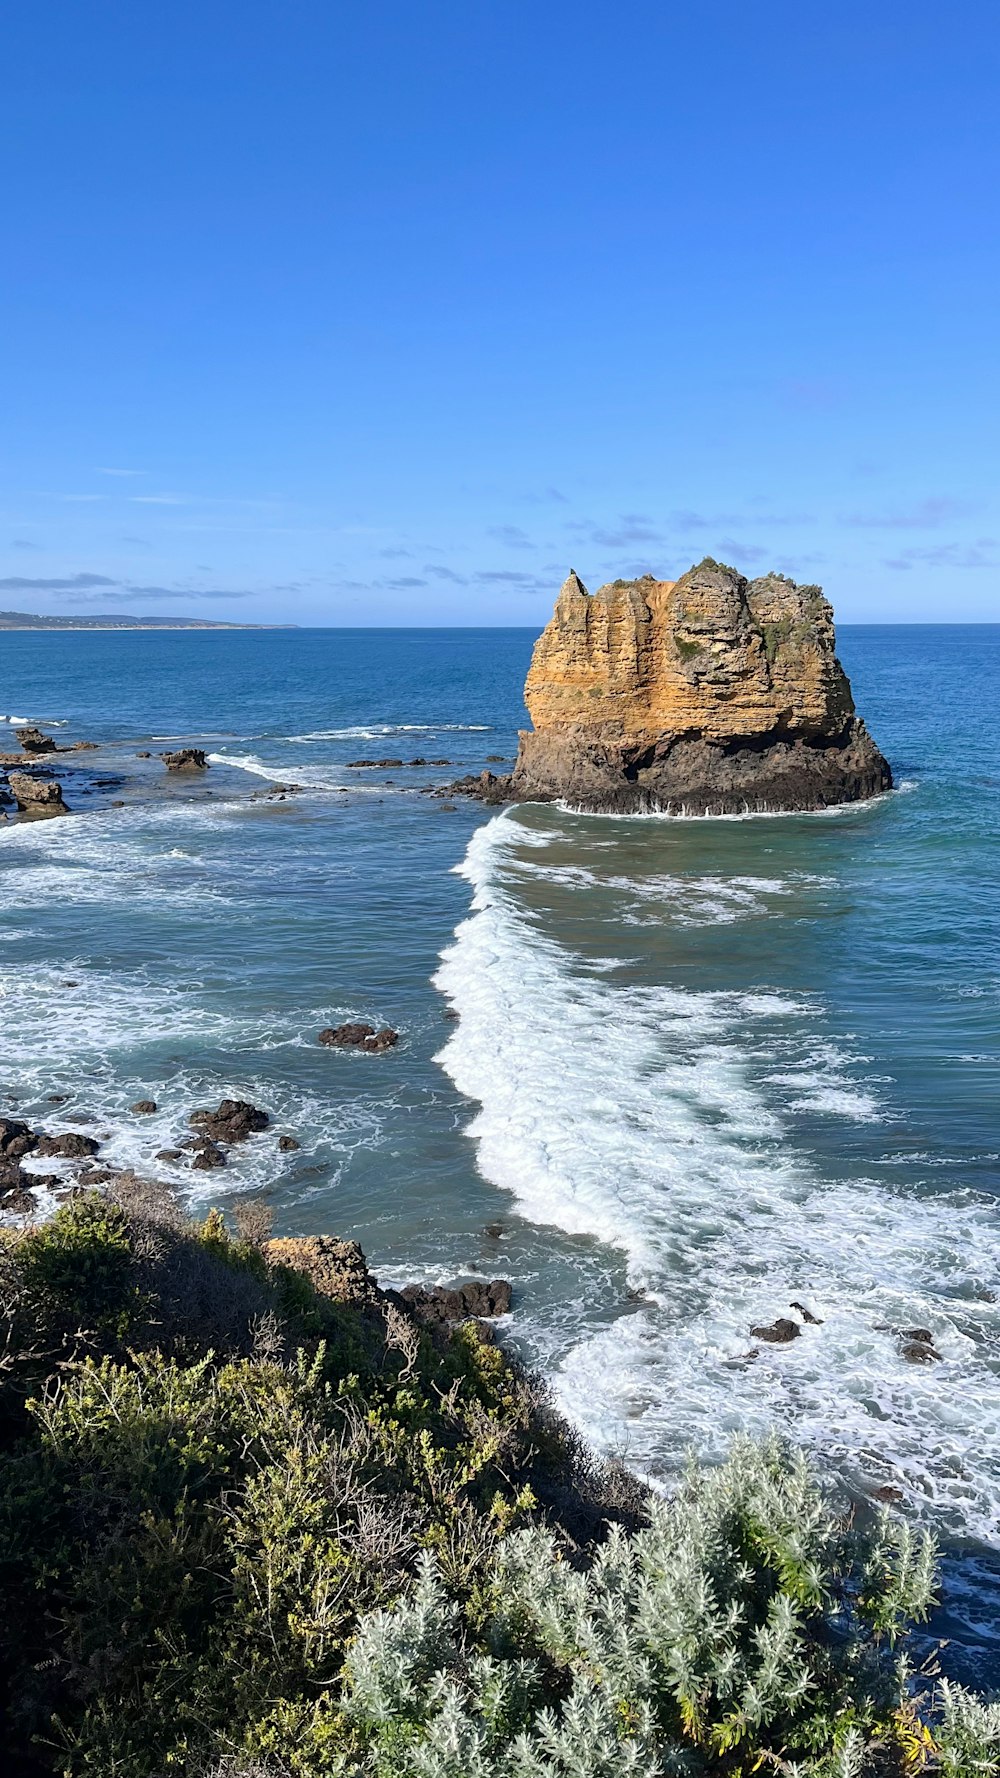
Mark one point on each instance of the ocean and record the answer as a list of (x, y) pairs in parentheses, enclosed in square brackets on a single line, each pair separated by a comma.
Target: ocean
[(668, 1076)]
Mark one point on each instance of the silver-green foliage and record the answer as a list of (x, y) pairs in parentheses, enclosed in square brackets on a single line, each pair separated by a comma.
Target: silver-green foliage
[(751, 1626)]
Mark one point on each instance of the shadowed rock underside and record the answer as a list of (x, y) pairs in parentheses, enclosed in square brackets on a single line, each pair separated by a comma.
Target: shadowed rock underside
[(706, 695)]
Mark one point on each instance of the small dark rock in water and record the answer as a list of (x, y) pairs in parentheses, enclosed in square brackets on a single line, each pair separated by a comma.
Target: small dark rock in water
[(144, 1107), (18, 1202), (418, 761), (362, 765), (917, 1346), (439, 762), (144, 755), (494, 1230), (186, 759), (358, 1037), (438, 1305), (208, 1158), (233, 1120), (780, 1332), (448, 808), (887, 1494), (82, 747), (492, 759), (451, 1013), (288, 1144), (36, 796), (16, 1138), (96, 1175), (483, 787), (922, 1335), (57, 1099), (168, 1154), (807, 1314), (70, 1146), (33, 741)]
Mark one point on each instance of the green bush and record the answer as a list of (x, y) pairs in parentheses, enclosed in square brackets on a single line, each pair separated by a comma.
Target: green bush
[(332, 1546)]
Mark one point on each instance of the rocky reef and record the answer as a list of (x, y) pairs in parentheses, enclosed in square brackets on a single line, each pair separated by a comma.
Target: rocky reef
[(710, 694)]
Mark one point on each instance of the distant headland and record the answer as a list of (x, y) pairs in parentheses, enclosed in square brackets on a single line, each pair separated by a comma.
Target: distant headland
[(28, 620)]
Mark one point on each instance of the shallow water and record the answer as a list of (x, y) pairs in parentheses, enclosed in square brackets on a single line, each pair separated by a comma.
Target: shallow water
[(702, 1068)]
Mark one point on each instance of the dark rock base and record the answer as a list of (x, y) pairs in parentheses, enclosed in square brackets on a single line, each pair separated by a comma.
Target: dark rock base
[(687, 775)]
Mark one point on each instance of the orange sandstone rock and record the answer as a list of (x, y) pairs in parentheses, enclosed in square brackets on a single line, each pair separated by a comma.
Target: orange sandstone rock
[(709, 694)]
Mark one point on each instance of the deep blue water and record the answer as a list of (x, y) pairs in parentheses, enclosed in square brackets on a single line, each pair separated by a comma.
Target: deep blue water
[(702, 1069)]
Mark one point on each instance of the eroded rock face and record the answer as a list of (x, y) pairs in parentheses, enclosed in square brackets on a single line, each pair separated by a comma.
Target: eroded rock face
[(335, 1268), (709, 694), (36, 796), (33, 741)]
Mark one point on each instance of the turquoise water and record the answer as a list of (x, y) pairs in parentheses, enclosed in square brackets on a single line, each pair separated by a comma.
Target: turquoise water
[(701, 1069)]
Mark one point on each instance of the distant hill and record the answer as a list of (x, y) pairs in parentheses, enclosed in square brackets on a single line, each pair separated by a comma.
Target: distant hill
[(27, 620)]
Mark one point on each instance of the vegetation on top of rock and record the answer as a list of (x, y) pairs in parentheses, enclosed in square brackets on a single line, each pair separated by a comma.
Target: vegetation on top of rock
[(262, 1525)]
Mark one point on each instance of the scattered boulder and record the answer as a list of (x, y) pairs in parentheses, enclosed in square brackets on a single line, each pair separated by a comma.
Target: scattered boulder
[(886, 1494), (96, 1175), (81, 747), (779, 1333), (145, 754), (483, 787), (336, 1269), (16, 1139), (359, 1037), (36, 796), (33, 741), (288, 1144), (169, 1154), (186, 759), (234, 1120), (208, 1158), (807, 1315), (492, 759), (360, 765), (437, 1305), (144, 1107), (69, 1146)]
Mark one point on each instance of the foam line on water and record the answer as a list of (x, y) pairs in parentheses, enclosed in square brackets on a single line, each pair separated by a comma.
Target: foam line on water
[(632, 1113)]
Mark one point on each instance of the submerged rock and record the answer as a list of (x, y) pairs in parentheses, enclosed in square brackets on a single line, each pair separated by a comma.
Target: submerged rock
[(144, 1107), (711, 694), (359, 1037)]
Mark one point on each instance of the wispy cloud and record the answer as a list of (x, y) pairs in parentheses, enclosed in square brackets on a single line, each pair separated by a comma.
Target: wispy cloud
[(924, 515), (22, 543), (104, 470), (404, 582), (981, 554), (158, 499), (545, 497), (441, 573), (686, 520), (129, 594), (632, 527), (21, 583), (510, 535), (390, 554)]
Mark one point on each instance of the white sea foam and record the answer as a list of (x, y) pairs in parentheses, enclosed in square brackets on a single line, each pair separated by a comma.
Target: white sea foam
[(748, 814), (378, 731), (635, 1114)]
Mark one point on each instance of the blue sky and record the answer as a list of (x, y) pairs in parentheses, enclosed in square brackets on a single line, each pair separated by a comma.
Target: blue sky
[(391, 313)]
